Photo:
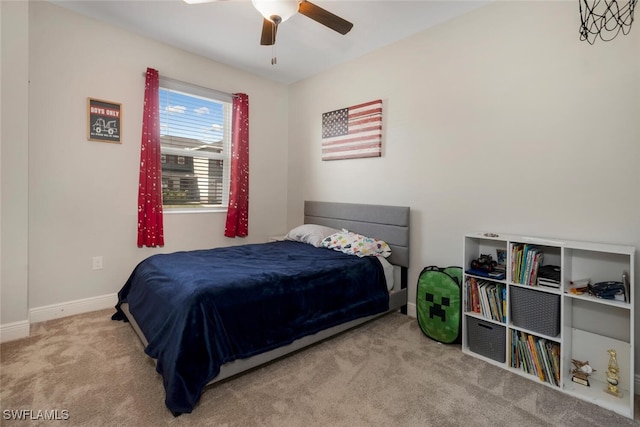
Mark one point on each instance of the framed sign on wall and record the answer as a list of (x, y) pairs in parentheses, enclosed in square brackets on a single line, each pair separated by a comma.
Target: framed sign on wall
[(104, 121)]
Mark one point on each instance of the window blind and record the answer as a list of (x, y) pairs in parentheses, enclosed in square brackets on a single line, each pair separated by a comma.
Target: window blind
[(195, 140)]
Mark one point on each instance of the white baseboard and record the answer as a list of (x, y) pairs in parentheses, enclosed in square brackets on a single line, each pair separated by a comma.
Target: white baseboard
[(56, 311), (14, 330), (17, 330), (411, 310)]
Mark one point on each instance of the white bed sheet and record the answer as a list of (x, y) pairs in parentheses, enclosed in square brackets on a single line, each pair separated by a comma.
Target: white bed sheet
[(389, 272)]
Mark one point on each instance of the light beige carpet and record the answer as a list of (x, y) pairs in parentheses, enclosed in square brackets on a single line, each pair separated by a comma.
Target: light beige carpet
[(385, 373)]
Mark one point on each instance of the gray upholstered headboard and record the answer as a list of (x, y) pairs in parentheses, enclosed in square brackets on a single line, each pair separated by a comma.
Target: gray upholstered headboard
[(389, 223)]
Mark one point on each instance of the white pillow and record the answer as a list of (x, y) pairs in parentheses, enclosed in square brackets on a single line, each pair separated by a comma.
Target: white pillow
[(313, 234)]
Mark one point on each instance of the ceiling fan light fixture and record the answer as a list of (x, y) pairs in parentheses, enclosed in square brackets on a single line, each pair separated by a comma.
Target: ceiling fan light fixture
[(198, 1), (284, 9)]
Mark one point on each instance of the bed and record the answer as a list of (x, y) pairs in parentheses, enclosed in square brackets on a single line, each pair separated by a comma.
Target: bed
[(267, 300)]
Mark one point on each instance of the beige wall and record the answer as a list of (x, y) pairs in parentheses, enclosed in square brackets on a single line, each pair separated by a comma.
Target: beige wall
[(501, 120), (82, 195), (14, 63)]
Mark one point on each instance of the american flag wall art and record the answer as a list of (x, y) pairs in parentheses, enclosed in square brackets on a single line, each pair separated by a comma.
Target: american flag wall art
[(353, 132)]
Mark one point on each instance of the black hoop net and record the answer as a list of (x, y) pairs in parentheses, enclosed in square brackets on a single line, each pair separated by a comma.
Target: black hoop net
[(605, 18)]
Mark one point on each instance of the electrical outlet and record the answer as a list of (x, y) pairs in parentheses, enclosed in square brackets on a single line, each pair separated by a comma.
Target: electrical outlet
[(97, 262)]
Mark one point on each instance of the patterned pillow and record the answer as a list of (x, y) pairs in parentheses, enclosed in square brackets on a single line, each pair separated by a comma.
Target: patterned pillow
[(356, 244)]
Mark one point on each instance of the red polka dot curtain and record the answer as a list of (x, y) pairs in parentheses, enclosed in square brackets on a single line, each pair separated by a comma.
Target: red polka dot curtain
[(150, 226), (238, 211)]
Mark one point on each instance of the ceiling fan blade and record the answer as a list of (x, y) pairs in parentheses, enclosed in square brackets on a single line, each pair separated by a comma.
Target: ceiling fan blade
[(269, 30), (324, 17)]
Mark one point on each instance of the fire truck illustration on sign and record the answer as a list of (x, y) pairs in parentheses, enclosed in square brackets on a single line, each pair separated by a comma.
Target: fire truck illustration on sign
[(101, 127)]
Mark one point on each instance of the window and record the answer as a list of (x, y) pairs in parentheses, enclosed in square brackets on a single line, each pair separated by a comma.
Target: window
[(195, 143)]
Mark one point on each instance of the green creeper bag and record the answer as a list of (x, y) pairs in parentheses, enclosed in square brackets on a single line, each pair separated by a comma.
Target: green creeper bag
[(438, 303)]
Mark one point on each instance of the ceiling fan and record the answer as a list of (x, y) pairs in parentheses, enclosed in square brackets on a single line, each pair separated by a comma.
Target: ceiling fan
[(276, 12)]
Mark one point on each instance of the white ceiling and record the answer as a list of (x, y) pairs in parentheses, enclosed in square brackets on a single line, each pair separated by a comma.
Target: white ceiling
[(229, 31)]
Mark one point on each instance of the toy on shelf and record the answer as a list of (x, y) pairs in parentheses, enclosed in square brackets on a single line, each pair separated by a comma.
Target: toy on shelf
[(580, 372), (484, 263), (612, 374)]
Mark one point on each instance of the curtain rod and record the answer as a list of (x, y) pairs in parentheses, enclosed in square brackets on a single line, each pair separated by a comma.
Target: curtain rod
[(169, 79)]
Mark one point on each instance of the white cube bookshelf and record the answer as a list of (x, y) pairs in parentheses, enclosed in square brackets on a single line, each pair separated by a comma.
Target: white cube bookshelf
[(587, 326)]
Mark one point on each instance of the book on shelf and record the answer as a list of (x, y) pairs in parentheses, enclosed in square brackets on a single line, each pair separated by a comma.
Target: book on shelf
[(546, 361), (495, 274), (549, 272), (548, 283), (536, 356), (527, 354), (524, 361), (496, 304), (516, 353), (504, 304), (516, 258), (497, 296), (553, 350), (484, 302), (476, 296), (533, 273), (549, 275), (525, 262), (486, 298), (526, 259)]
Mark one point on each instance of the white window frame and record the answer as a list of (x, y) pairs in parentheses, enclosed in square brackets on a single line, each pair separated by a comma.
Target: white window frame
[(225, 155)]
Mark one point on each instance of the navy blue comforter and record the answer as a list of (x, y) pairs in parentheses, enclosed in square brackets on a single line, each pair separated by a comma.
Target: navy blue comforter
[(201, 309)]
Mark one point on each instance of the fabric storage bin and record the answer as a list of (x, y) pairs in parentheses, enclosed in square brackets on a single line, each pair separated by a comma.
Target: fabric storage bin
[(535, 310), (486, 338)]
